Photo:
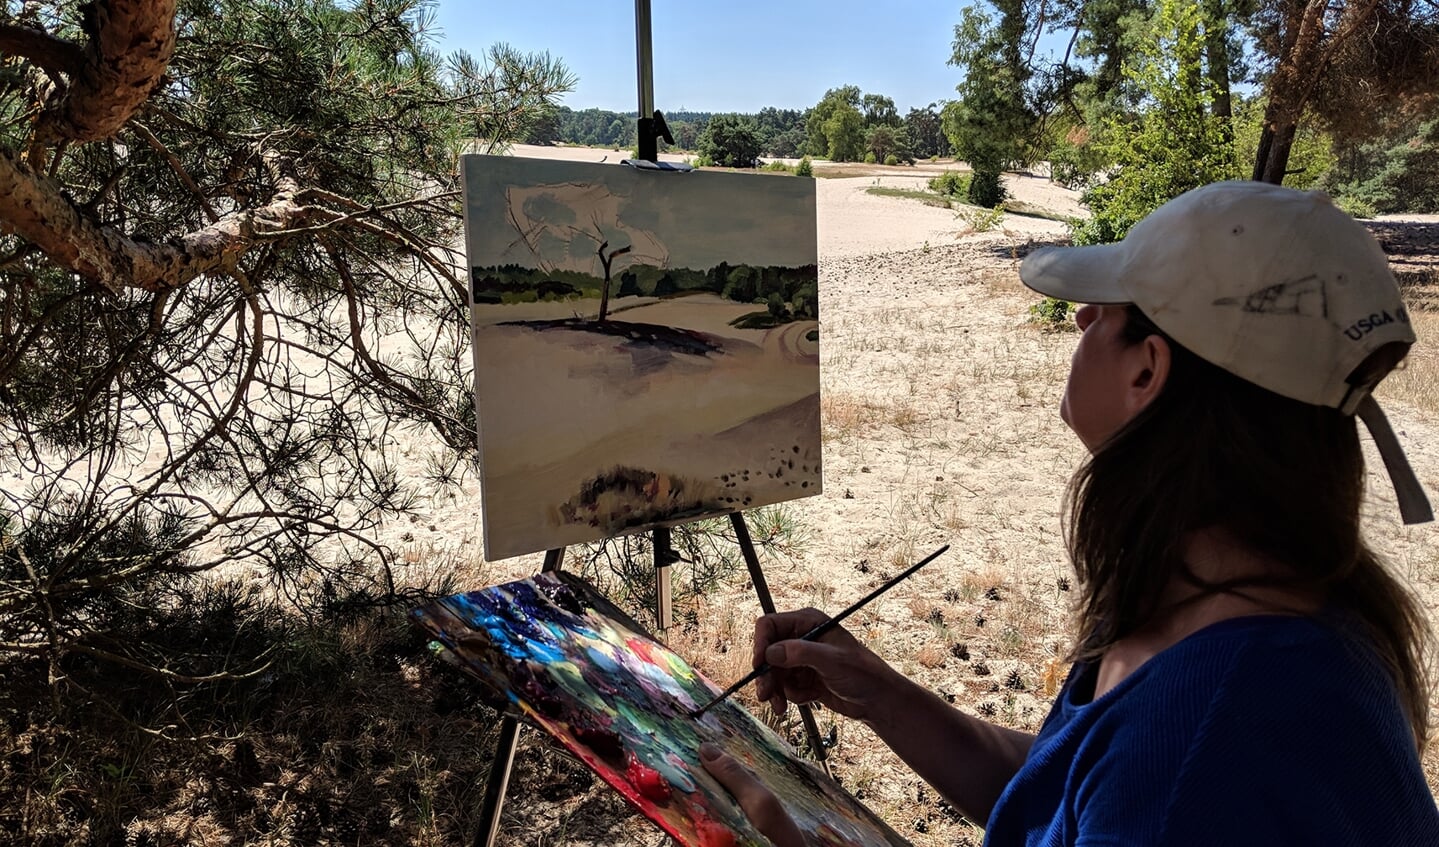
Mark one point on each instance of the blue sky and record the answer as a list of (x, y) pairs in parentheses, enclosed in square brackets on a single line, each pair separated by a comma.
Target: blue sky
[(727, 56)]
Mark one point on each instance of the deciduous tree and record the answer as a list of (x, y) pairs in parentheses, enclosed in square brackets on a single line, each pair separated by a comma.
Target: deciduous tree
[(926, 132), (879, 110), (730, 141), (835, 125), (990, 125)]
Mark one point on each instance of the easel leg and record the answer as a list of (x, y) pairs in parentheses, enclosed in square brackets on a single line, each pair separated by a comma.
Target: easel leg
[(766, 602), (553, 560), (504, 760), (499, 780), (664, 588)]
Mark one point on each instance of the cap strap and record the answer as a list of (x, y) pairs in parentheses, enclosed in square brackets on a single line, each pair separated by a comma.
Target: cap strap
[(1413, 505)]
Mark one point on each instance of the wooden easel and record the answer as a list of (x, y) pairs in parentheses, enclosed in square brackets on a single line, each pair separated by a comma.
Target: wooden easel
[(651, 126), (665, 556)]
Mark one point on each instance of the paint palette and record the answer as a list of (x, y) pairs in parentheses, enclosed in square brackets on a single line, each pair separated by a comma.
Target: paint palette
[(578, 667)]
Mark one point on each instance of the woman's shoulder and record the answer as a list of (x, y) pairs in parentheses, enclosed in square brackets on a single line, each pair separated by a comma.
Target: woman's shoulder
[(1274, 662), (1263, 649), (1291, 697), (1295, 717), (1242, 686)]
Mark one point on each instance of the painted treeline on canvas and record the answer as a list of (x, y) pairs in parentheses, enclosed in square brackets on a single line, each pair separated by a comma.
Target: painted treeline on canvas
[(576, 666), (646, 346)]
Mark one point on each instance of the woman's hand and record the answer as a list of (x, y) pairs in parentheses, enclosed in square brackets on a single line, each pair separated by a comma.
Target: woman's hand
[(760, 804), (836, 671)]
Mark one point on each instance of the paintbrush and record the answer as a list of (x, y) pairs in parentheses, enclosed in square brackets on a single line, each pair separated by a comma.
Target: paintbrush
[(817, 632)]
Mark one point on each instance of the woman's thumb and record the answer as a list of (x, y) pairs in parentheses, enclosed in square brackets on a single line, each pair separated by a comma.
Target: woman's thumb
[(759, 804), (731, 774)]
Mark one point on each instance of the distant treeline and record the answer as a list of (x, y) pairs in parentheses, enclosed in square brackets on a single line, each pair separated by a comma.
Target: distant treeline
[(789, 292), (782, 131), (787, 133)]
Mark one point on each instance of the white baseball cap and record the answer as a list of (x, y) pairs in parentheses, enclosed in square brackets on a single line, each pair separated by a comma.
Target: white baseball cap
[(1274, 285)]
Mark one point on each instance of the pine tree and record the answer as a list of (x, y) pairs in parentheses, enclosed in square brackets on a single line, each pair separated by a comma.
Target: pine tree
[(228, 280), (991, 124)]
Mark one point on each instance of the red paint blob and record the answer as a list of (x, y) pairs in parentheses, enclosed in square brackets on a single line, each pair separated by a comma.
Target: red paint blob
[(647, 781), (714, 834), (642, 648)]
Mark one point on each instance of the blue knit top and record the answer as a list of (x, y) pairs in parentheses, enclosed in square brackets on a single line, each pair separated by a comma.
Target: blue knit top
[(1262, 730)]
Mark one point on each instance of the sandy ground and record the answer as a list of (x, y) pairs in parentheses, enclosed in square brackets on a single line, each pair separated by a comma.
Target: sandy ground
[(940, 415)]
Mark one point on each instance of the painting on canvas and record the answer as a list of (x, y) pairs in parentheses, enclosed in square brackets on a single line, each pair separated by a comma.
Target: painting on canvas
[(646, 346), (620, 701)]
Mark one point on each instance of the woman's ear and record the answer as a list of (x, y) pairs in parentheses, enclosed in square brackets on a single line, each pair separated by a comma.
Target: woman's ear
[(1150, 369)]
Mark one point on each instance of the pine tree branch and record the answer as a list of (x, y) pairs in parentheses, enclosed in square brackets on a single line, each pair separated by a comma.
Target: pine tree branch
[(36, 208), (131, 42), (178, 169), (404, 395), (45, 51)]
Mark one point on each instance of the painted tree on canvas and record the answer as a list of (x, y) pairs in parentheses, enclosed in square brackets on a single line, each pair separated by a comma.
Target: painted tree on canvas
[(228, 280)]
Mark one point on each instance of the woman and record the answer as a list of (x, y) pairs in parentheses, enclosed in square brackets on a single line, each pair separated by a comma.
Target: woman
[(1246, 670)]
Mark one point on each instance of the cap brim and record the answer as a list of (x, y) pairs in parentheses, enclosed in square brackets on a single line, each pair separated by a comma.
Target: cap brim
[(1087, 274)]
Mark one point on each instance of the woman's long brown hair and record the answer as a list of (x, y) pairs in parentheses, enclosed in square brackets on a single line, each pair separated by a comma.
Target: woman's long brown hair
[(1284, 478)]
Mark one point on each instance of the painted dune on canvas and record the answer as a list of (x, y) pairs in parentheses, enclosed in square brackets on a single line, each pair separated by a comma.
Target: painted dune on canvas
[(646, 347)]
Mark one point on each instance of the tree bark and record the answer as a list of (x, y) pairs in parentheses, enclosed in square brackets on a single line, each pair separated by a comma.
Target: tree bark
[(1281, 141), (131, 42), (1261, 155), (1216, 55), (1306, 47), (36, 208)]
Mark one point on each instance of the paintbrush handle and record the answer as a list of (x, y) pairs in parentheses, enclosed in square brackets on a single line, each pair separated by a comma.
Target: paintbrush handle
[(741, 683), (864, 601), (819, 631)]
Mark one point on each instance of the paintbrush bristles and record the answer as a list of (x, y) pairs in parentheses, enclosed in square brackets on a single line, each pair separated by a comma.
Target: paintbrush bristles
[(818, 631)]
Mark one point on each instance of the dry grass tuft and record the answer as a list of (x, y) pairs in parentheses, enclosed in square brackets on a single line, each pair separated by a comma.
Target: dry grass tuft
[(844, 417), (932, 655), (905, 416), (1416, 382)]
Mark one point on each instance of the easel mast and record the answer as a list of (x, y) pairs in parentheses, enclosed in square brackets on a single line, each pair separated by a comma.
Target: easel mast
[(650, 129), (648, 138)]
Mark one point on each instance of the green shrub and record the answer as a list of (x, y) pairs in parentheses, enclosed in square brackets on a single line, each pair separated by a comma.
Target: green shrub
[(1073, 164), (985, 189), (776, 165), (703, 161), (869, 158), (981, 219), (1357, 207), (891, 159), (804, 168), (1052, 313), (950, 184)]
